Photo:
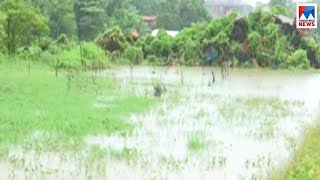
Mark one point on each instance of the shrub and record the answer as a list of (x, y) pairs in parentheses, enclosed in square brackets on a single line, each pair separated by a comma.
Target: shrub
[(298, 59), (153, 60), (310, 43), (115, 56), (48, 58), (112, 40), (45, 43), (70, 58), (134, 54), (146, 46), (306, 160), (161, 46), (93, 57), (305, 170), (313, 50), (280, 53), (280, 10), (190, 54), (222, 25), (30, 53), (239, 54), (259, 19)]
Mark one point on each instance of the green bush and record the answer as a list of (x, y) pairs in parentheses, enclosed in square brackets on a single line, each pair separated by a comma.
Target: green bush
[(153, 60), (93, 57), (161, 46), (115, 56), (310, 43), (134, 54), (259, 19), (313, 50), (222, 25), (304, 170), (112, 40), (280, 10), (146, 47), (281, 52), (298, 60), (240, 57), (70, 58), (190, 54), (188, 46), (29, 53), (45, 43), (48, 58), (305, 164)]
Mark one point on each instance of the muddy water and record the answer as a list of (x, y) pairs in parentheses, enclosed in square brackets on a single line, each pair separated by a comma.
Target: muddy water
[(268, 83), (246, 125)]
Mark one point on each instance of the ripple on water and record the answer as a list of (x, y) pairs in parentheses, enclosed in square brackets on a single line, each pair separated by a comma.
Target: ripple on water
[(245, 141)]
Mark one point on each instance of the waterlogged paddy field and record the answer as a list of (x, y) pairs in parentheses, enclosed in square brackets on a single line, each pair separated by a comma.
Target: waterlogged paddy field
[(240, 128)]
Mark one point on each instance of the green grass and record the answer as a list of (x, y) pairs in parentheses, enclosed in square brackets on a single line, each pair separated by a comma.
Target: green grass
[(61, 107), (196, 142), (306, 161)]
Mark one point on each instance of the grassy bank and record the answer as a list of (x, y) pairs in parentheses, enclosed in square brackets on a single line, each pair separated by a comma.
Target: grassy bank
[(61, 110), (306, 161)]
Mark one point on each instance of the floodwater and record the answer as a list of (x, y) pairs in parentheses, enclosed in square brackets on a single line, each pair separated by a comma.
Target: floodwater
[(242, 127)]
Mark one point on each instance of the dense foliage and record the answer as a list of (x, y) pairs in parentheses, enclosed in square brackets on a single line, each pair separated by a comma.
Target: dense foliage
[(49, 30), (306, 160), (174, 14)]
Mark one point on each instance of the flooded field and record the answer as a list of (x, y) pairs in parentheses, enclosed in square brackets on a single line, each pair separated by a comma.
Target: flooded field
[(242, 127)]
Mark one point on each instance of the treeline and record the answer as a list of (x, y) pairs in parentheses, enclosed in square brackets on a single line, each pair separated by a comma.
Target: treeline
[(262, 39), (41, 25), (87, 18), (93, 33)]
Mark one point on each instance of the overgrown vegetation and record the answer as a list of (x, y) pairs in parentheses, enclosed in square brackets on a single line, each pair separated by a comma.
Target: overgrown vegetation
[(306, 161), (57, 36)]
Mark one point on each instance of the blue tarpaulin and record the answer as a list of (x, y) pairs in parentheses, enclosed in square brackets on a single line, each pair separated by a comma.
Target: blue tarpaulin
[(211, 56)]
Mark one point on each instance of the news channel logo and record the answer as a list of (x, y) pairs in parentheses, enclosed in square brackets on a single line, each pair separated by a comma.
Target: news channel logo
[(307, 16)]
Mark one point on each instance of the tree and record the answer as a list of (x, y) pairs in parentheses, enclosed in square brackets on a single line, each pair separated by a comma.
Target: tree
[(174, 14), (278, 2), (90, 17), (22, 24), (127, 20), (192, 11), (62, 18), (60, 14), (123, 14), (147, 7)]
